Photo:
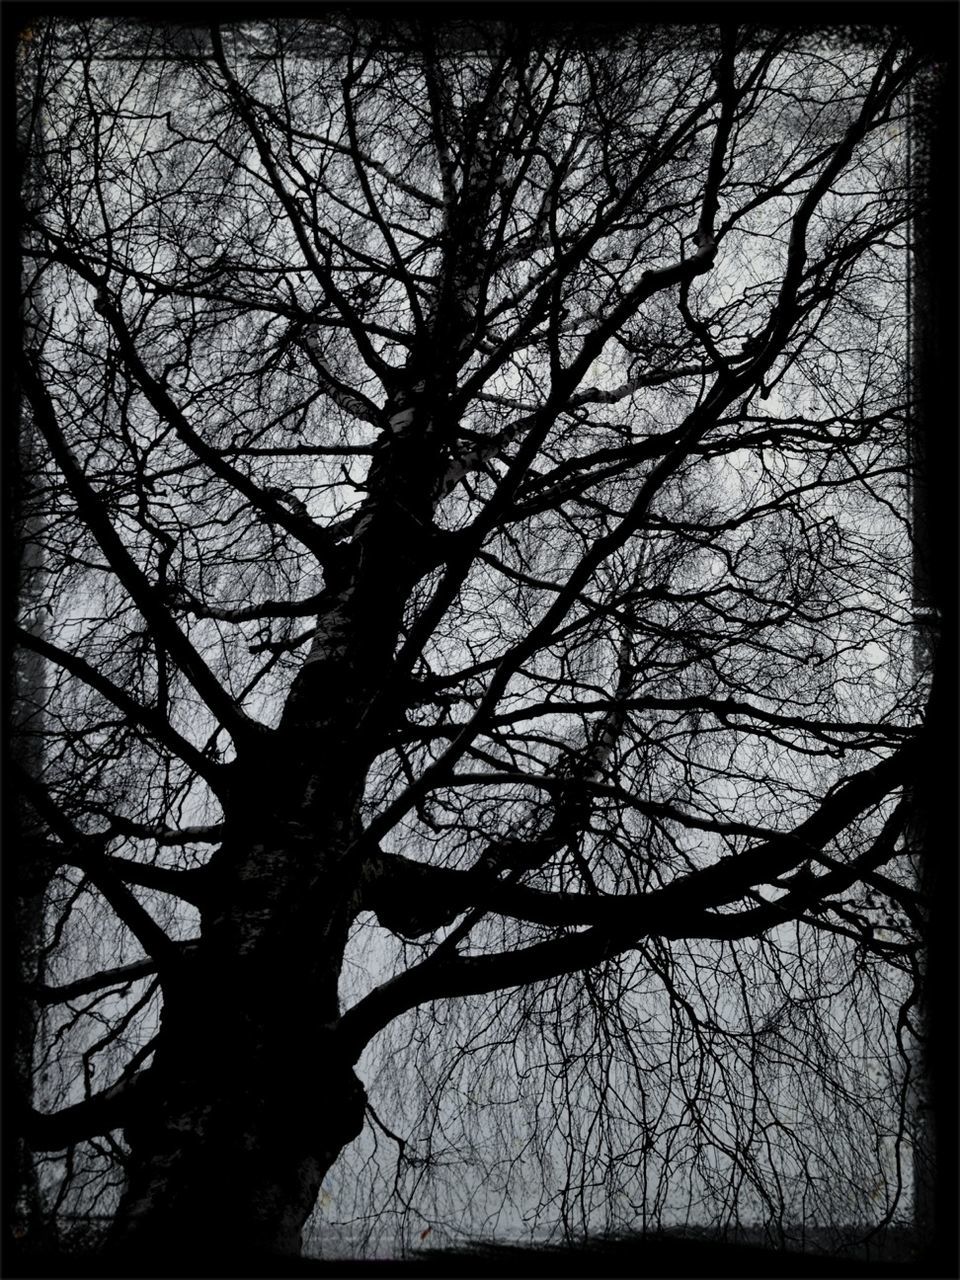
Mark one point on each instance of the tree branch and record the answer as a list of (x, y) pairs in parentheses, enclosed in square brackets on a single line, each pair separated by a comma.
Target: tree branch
[(142, 592), (99, 1114), (102, 875), (156, 725), (67, 991), (680, 909)]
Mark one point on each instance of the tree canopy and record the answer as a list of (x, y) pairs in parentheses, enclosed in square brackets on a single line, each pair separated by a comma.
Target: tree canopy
[(468, 623)]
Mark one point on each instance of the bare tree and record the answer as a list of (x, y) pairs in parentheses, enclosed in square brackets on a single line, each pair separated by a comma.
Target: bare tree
[(470, 485)]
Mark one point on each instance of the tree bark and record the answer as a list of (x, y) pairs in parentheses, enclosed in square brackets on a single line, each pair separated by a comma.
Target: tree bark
[(250, 1099), (235, 1166), (245, 1112)]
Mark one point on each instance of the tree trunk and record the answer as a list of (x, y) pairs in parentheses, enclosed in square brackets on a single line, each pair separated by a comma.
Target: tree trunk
[(234, 1166), (239, 1127), (249, 1100)]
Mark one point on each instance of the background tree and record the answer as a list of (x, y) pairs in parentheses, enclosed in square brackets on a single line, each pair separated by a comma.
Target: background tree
[(470, 496)]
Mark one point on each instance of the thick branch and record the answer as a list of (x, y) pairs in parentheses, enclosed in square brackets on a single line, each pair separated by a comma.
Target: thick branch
[(106, 978), (99, 1114), (680, 909)]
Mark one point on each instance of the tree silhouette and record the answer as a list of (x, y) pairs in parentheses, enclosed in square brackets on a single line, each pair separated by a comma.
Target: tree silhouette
[(468, 502)]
